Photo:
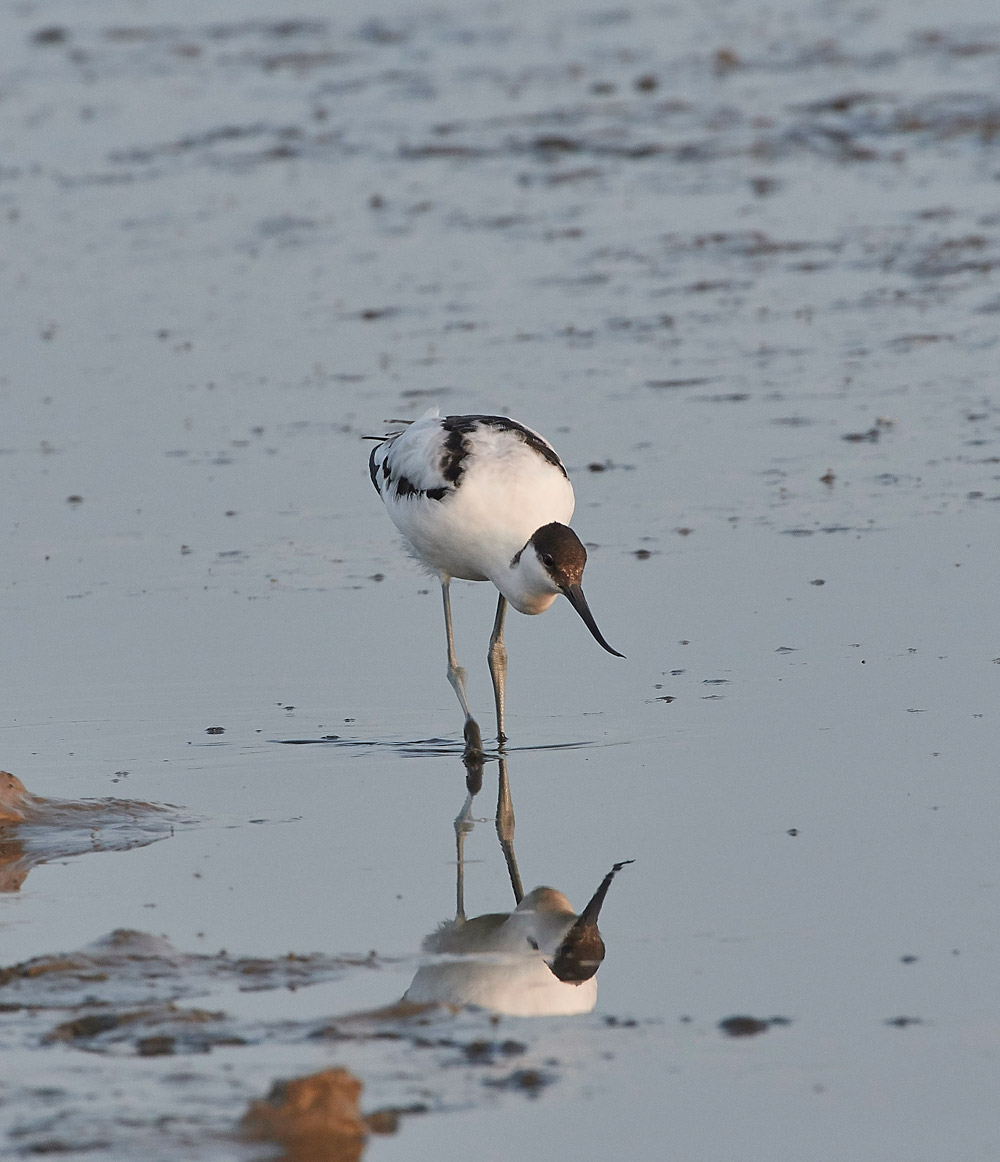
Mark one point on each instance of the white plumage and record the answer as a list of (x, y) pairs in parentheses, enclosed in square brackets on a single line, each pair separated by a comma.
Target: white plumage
[(502, 962), (484, 498), (541, 959)]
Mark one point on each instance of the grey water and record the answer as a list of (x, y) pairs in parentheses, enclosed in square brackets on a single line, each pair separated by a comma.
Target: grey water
[(738, 262)]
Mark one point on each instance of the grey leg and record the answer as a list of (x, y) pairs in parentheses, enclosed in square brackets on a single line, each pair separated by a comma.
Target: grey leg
[(456, 676), (505, 830), (463, 825), (497, 657)]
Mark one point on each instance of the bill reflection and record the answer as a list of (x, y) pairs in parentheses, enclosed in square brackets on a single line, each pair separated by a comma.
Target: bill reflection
[(539, 959)]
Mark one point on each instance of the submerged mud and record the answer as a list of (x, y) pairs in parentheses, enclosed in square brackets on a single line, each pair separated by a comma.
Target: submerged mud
[(132, 998)]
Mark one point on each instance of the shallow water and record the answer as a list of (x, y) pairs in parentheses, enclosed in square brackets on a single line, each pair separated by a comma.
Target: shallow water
[(739, 265)]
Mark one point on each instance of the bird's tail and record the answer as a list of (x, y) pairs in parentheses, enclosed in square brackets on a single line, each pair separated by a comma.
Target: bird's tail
[(431, 413)]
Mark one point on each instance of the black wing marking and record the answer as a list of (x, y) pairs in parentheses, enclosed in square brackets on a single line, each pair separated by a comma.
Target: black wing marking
[(373, 468), (456, 449), (402, 485)]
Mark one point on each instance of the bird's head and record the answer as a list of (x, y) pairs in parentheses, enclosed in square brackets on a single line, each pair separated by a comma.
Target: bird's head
[(552, 562)]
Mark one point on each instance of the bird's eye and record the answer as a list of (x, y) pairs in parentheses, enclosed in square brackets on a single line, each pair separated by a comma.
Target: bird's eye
[(548, 562)]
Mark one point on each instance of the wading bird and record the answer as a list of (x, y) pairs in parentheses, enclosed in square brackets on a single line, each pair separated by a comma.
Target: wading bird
[(483, 498)]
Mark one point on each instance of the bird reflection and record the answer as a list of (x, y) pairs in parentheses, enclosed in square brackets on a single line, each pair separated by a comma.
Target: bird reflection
[(539, 959), (34, 830)]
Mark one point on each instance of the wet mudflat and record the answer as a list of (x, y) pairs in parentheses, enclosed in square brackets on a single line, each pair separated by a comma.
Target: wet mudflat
[(740, 265)]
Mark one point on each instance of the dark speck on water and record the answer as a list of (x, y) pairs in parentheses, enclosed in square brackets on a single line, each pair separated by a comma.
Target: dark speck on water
[(529, 1081), (52, 35), (743, 1026)]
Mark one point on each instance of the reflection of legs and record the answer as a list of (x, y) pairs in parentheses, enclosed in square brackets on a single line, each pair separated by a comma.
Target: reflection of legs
[(497, 657), (463, 825), (505, 830), (456, 676)]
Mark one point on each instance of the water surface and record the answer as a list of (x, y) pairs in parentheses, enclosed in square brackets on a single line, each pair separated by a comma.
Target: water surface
[(738, 264)]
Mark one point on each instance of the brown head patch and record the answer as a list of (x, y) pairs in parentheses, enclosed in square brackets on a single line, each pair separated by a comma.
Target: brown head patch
[(561, 551)]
